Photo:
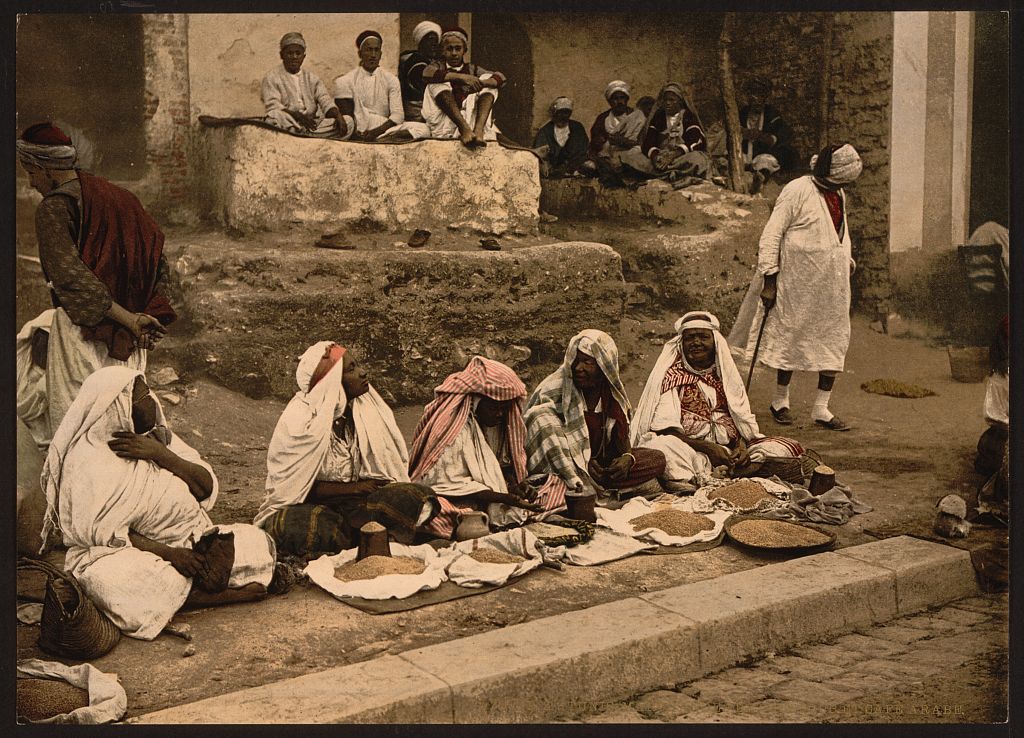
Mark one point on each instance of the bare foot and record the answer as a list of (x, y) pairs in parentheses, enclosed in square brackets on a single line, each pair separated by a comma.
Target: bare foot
[(468, 138), (478, 141)]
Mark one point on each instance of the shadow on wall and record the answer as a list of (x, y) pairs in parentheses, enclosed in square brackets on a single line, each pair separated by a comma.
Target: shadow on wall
[(86, 71), (933, 287), (500, 42)]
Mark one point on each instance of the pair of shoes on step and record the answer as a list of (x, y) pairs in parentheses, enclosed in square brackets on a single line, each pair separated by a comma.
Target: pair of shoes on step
[(783, 416)]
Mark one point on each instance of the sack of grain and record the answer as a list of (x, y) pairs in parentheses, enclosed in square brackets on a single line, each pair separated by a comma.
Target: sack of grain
[(775, 534), (58, 694)]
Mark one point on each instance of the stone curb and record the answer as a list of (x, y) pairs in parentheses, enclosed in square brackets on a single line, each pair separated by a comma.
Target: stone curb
[(561, 665)]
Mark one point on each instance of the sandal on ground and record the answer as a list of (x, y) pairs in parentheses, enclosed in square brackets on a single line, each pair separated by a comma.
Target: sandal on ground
[(782, 416), (835, 424)]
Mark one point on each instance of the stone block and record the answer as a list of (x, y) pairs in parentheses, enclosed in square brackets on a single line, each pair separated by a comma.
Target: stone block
[(800, 668), (773, 710), (562, 665), (899, 634), (385, 690), (870, 647), (412, 317), (812, 693), (620, 714), (771, 608), (829, 654), (718, 690), (897, 668), (962, 617), (253, 179), (665, 704), (927, 574)]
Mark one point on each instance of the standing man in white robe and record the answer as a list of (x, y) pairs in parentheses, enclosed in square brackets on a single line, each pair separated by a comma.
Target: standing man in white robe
[(369, 98), (803, 282)]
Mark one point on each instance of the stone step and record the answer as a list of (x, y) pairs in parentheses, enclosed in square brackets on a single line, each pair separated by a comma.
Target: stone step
[(566, 664)]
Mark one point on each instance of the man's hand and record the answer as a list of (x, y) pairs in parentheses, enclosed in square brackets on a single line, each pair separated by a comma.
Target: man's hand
[(718, 455), (187, 562), (740, 456), (366, 486), (130, 445), (147, 330), (306, 121), (596, 470), (470, 81), (619, 468), (341, 125), (769, 292)]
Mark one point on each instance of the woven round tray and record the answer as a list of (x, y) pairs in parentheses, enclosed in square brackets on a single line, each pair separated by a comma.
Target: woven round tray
[(774, 550)]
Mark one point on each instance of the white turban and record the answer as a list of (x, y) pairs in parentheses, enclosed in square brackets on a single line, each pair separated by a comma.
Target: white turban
[(561, 103), (293, 37), (422, 29), (615, 86), (846, 165), (58, 156), (697, 319)]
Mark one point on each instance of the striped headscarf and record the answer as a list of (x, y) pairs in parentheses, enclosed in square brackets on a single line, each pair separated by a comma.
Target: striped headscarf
[(557, 440), (444, 418)]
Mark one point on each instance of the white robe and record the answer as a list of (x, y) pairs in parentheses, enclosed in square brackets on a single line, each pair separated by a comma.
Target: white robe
[(304, 91), (376, 97), (808, 329), (95, 497)]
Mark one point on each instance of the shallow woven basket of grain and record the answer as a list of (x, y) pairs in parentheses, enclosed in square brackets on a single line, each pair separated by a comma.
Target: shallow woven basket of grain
[(781, 551)]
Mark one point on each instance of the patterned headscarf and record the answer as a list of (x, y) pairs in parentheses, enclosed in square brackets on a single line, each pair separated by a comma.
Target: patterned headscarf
[(293, 37), (614, 86), (840, 165), (444, 418), (456, 31)]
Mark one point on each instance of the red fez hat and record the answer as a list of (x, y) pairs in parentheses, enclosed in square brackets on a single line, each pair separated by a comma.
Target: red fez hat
[(45, 134)]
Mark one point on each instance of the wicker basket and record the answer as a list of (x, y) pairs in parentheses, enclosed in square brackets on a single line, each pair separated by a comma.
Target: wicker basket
[(71, 625), (969, 364)]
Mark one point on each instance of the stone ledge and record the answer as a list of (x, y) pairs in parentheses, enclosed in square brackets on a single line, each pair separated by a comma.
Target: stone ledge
[(927, 574), (253, 179), (557, 666)]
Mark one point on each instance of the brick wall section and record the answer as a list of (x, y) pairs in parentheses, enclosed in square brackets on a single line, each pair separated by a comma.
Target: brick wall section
[(165, 49), (861, 114), (786, 49)]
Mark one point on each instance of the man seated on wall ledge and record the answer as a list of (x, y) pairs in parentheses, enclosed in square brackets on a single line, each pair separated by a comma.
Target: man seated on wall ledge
[(615, 138), (767, 139), (458, 97), (674, 143), (296, 100), (369, 98), (427, 37), (561, 142)]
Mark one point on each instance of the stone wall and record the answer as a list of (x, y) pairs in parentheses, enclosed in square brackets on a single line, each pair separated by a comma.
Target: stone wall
[(860, 114), (414, 316), (230, 53), (257, 179)]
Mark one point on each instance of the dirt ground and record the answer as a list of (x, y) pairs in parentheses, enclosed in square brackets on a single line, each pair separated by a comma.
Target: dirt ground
[(901, 457)]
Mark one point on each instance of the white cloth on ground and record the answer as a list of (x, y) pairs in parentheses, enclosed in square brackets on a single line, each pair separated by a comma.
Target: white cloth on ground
[(808, 329), (31, 381), (70, 359), (108, 702), (385, 587), (605, 546), (465, 571), (619, 521), (95, 497), (376, 97), (282, 91), (302, 437)]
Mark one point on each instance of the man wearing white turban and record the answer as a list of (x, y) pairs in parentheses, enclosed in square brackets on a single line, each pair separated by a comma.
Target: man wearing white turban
[(694, 409), (616, 133), (337, 461), (803, 283), (427, 37), (296, 100)]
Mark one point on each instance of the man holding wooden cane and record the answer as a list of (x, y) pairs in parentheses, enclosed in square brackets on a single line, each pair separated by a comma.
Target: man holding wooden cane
[(800, 295)]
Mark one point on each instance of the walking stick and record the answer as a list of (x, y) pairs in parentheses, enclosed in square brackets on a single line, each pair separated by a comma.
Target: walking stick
[(757, 347)]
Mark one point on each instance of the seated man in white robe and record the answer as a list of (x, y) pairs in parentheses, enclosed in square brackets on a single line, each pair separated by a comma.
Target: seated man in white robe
[(131, 502), (337, 461), (369, 98), (694, 409), (615, 135), (296, 100), (469, 447)]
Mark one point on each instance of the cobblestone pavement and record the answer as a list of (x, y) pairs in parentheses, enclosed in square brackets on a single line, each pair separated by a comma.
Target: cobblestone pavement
[(947, 665)]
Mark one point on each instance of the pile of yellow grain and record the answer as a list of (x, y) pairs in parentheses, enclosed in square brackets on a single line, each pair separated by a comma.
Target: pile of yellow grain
[(775, 534), (674, 522), (743, 494), (494, 556), (377, 566), (895, 388), (39, 699)]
